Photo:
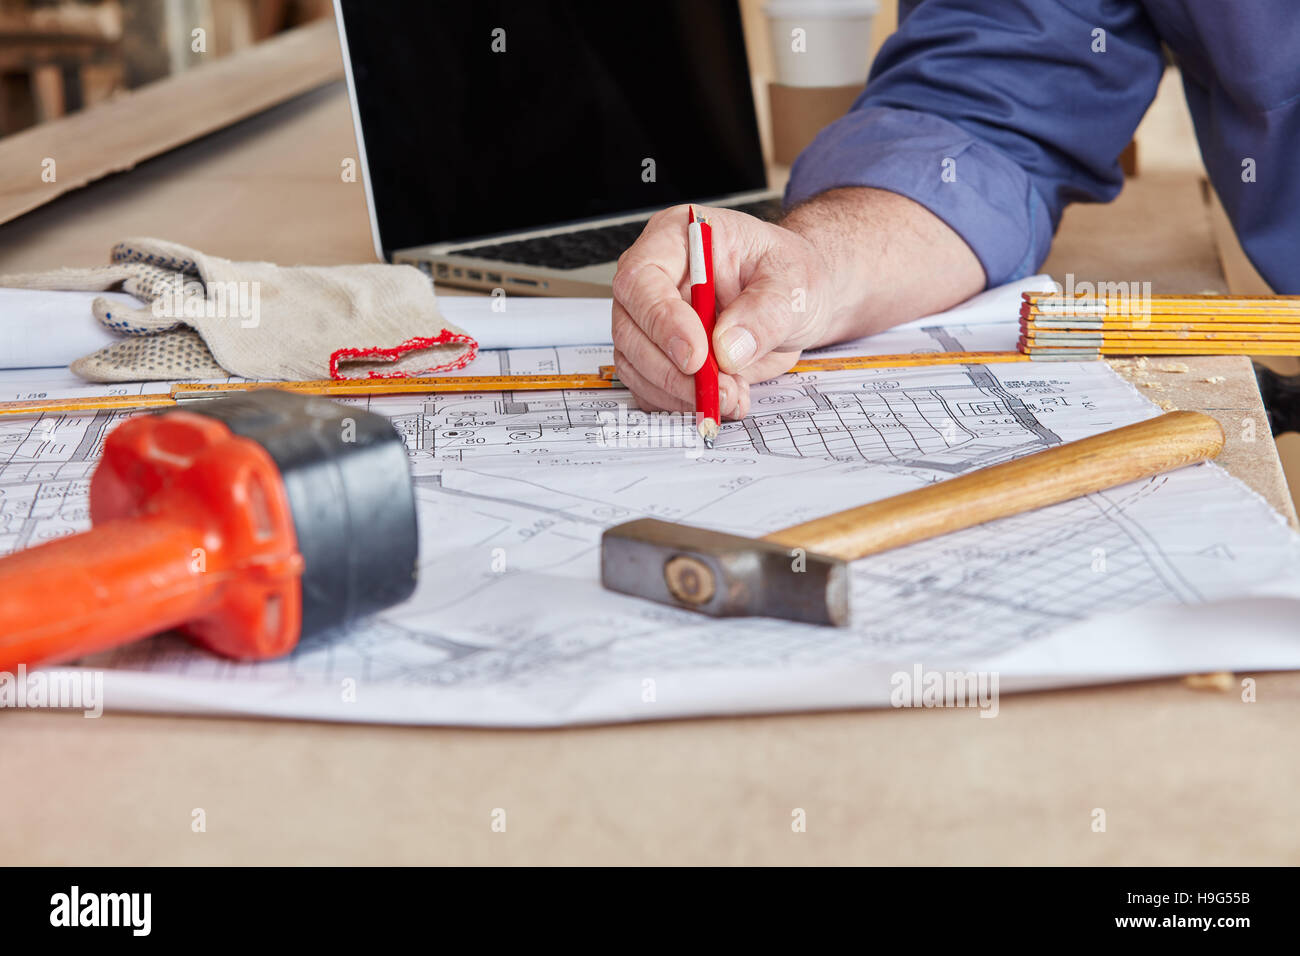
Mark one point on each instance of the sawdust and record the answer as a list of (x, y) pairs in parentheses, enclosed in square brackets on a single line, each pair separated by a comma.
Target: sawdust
[(1174, 367), (1216, 379), (1221, 681), (1167, 405), (1154, 386)]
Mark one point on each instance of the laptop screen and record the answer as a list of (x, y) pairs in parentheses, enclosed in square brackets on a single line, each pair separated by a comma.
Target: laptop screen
[(489, 116)]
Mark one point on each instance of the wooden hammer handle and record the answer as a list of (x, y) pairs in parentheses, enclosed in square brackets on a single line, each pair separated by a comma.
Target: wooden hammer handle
[(1057, 474)]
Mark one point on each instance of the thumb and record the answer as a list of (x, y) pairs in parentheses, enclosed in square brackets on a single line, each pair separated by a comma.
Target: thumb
[(762, 318)]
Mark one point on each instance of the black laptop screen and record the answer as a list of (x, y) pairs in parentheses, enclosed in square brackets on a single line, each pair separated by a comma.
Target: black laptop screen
[(484, 116)]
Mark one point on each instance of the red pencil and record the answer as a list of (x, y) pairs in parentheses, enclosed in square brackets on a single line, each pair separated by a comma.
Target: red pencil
[(700, 241)]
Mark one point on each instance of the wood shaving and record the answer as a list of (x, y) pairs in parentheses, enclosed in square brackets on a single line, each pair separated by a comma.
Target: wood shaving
[(1173, 367), (1167, 406), (1216, 379), (1154, 386), (1221, 681)]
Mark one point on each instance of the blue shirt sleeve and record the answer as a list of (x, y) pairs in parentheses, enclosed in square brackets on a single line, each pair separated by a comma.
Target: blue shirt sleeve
[(995, 116)]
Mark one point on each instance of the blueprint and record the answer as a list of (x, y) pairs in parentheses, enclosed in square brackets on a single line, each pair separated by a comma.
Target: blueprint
[(510, 626)]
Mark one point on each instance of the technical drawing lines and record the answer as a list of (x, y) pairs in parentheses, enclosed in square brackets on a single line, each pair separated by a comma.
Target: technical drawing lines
[(949, 428)]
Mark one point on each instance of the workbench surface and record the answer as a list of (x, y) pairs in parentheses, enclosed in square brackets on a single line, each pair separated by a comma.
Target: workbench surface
[(1185, 776)]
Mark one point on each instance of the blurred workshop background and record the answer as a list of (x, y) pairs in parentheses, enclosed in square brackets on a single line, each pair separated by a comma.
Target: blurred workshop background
[(60, 56)]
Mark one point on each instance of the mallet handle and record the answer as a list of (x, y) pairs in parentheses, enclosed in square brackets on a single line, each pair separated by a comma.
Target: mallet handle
[(1045, 478), (89, 592)]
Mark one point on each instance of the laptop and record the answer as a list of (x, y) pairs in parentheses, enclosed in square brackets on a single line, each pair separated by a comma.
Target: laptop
[(522, 144)]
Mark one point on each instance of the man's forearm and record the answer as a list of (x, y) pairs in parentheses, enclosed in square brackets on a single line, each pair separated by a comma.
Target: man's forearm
[(889, 259)]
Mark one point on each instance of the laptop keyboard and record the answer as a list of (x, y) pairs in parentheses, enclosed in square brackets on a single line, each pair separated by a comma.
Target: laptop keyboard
[(588, 247)]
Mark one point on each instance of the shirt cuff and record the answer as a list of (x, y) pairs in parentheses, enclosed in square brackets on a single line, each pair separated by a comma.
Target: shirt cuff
[(977, 190)]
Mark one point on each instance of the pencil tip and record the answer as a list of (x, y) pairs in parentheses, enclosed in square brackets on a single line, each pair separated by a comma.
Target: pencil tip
[(708, 430)]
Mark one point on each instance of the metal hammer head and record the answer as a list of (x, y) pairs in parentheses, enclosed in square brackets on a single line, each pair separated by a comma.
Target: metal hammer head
[(724, 575)]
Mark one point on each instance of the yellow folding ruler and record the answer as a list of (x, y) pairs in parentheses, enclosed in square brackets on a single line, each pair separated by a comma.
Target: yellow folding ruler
[(183, 392)]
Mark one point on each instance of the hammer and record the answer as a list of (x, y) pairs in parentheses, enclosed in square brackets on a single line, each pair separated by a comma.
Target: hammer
[(801, 573), (250, 524)]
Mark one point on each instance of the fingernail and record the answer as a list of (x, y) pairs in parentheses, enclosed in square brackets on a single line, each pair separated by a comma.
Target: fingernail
[(724, 398), (680, 350), (740, 346)]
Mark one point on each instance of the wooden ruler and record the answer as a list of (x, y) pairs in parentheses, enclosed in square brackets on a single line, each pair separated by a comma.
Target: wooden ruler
[(837, 363), (182, 392), (842, 363), (403, 386), (1087, 353), (1054, 303)]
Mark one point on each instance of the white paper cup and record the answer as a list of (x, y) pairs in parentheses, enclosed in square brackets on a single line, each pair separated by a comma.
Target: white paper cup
[(820, 42)]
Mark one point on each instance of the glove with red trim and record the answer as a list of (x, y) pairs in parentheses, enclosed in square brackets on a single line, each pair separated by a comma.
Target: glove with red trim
[(207, 317)]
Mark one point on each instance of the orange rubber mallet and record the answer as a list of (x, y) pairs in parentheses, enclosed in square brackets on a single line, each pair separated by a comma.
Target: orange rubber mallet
[(249, 523)]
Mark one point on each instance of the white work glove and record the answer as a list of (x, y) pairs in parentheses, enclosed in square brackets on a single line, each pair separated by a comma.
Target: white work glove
[(206, 317)]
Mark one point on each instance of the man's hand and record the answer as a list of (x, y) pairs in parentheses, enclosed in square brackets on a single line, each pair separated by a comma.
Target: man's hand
[(847, 263), (772, 290)]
